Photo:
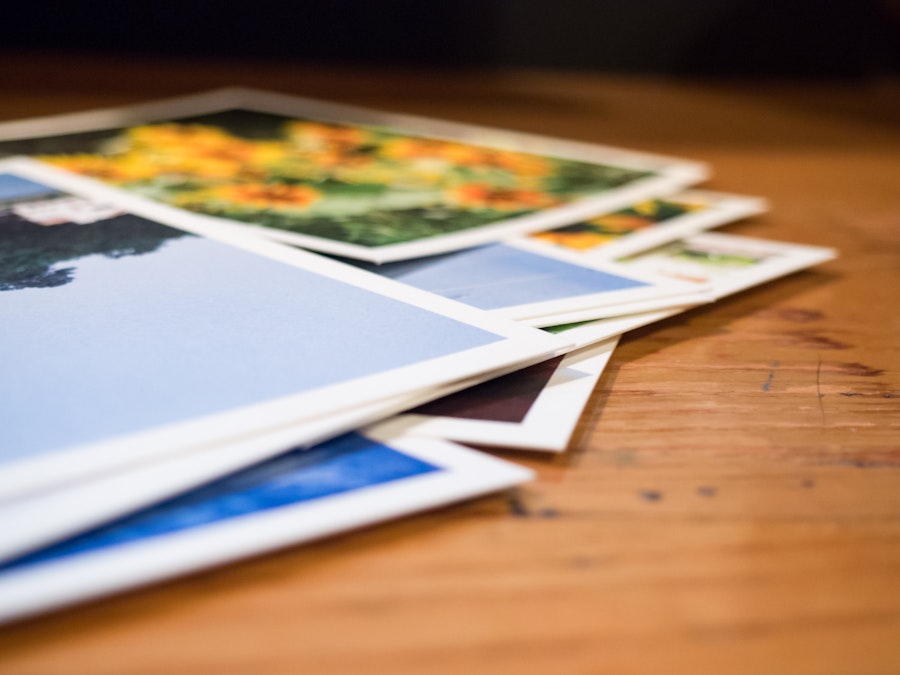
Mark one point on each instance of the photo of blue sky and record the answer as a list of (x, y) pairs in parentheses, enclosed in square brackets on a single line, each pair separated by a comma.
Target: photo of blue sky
[(135, 338), (16, 187), (499, 276), (339, 466)]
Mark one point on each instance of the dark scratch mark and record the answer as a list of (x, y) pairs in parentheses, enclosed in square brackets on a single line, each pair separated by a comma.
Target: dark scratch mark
[(808, 483), (651, 495), (882, 394), (866, 463), (812, 340), (794, 314), (800, 315), (586, 561), (625, 457), (858, 369), (819, 393), (706, 491), (768, 383), (518, 509)]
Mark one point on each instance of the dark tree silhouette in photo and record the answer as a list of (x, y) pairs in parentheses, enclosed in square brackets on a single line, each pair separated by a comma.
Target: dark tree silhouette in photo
[(30, 254)]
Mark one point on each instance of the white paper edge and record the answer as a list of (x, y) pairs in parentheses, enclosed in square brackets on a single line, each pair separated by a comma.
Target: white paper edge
[(681, 302), (55, 584), (550, 420)]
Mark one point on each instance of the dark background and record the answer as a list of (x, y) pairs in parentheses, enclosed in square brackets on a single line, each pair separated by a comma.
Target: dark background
[(819, 39)]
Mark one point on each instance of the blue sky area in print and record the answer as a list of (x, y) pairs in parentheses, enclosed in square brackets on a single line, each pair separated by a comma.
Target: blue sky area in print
[(12, 187), (342, 465), (134, 338), (499, 276)]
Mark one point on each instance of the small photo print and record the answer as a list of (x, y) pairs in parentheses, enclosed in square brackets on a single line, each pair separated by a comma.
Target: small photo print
[(609, 227), (649, 223)]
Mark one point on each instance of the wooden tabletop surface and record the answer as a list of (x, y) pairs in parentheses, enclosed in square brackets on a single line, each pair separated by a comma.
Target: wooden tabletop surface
[(731, 500)]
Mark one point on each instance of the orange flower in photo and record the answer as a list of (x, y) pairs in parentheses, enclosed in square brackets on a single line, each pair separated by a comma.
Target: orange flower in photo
[(520, 163), (178, 136), (578, 241), (622, 223), (480, 195), (111, 169), (458, 154), (413, 148), (195, 150), (655, 209), (326, 148), (315, 135), (263, 195), (465, 155), (199, 166)]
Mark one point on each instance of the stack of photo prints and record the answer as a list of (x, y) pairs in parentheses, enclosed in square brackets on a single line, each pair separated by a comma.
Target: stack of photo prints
[(240, 320)]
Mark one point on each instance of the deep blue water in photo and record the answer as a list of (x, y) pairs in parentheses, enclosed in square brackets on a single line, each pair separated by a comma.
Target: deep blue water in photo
[(347, 463)]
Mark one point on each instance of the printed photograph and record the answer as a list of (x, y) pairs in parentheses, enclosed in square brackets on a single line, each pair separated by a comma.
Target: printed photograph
[(116, 324), (692, 260), (351, 481), (362, 185), (344, 464), (503, 399), (504, 277), (609, 227), (535, 408)]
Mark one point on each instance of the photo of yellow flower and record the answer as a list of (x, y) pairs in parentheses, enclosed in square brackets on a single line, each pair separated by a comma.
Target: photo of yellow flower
[(363, 185), (611, 226)]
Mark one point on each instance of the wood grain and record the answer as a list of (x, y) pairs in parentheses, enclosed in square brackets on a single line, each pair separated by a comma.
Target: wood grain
[(731, 503)]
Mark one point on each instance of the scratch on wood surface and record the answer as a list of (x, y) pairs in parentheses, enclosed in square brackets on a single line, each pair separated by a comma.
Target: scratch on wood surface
[(866, 463), (811, 340), (858, 369), (768, 383), (819, 393), (518, 508), (793, 314)]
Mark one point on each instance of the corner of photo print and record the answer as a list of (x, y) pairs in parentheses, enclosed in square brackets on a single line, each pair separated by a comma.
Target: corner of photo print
[(649, 223), (540, 285), (727, 263), (535, 408)]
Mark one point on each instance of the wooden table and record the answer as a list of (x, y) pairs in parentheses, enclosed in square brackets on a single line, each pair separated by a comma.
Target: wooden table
[(731, 502)]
